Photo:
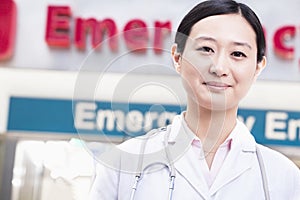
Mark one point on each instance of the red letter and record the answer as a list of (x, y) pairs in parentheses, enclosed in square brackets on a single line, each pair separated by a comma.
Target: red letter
[(82, 27), (136, 35), (283, 34), (57, 30), (97, 29), (7, 28), (161, 29), (109, 26)]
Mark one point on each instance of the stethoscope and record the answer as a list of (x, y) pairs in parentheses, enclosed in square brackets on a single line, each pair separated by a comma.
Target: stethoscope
[(172, 171), (166, 163)]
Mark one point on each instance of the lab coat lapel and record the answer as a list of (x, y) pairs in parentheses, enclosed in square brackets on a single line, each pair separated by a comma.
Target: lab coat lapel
[(241, 158), (235, 165), (188, 167), (185, 160)]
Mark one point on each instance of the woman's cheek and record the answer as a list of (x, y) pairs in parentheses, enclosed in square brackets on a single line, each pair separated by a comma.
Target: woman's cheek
[(191, 82)]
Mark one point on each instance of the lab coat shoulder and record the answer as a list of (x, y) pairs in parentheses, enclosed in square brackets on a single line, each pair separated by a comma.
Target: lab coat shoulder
[(119, 165), (105, 183), (283, 175), (151, 142)]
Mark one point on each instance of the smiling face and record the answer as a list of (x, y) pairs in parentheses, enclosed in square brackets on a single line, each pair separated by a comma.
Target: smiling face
[(219, 62)]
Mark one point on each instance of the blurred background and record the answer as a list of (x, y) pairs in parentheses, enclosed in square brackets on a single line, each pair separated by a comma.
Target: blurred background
[(77, 77)]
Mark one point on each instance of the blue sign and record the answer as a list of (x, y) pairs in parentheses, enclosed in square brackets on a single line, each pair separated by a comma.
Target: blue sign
[(271, 127), (40, 115)]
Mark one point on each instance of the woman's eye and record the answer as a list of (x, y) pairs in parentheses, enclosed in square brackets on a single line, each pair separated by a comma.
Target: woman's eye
[(206, 49), (238, 54)]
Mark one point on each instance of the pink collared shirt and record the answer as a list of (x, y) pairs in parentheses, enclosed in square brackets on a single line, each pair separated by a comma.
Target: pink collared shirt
[(218, 160)]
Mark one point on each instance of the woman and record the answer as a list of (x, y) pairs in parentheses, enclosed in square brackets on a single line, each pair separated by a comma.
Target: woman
[(219, 51)]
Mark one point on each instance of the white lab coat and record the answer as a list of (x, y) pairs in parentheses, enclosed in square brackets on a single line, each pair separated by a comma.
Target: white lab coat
[(239, 177)]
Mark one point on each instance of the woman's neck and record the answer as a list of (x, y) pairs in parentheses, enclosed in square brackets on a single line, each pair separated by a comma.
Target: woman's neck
[(212, 127)]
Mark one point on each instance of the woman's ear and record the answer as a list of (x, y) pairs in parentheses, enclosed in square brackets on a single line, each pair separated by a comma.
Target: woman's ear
[(176, 57), (260, 66)]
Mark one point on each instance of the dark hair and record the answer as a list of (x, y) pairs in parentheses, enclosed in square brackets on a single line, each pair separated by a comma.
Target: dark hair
[(220, 7)]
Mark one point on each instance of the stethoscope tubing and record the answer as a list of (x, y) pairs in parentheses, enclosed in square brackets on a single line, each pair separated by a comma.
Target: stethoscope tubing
[(263, 173)]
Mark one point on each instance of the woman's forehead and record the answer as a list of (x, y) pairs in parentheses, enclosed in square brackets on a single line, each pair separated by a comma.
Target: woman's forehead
[(232, 27)]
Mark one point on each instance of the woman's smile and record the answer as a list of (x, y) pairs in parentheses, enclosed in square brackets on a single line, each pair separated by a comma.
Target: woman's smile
[(216, 86)]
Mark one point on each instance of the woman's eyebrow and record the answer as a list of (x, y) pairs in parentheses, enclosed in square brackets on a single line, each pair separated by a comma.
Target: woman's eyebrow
[(207, 38), (243, 44)]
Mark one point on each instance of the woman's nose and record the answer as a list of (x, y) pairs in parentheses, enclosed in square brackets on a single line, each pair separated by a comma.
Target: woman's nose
[(220, 66)]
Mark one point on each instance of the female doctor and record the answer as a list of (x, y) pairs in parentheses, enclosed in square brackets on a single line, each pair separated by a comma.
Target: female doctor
[(206, 153)]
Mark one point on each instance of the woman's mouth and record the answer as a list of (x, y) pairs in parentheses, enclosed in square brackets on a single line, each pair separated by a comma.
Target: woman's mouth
[(216, 86)]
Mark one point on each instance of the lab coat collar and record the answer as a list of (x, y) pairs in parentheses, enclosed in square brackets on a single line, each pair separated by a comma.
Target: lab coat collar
[(240, 158), (240, 134)]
